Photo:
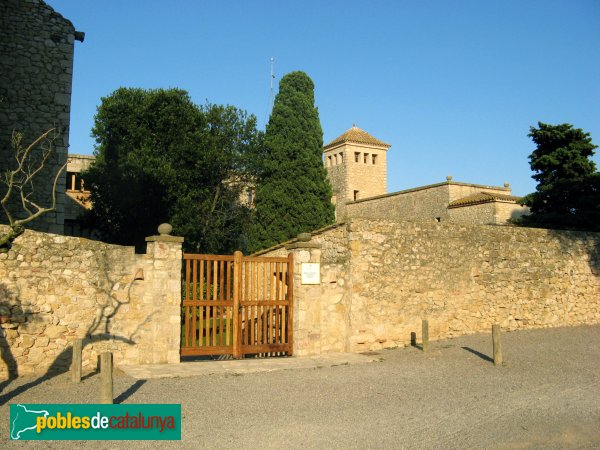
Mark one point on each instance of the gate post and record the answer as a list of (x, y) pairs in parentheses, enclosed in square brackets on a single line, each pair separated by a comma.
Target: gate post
[(237, 285), (290, 327)]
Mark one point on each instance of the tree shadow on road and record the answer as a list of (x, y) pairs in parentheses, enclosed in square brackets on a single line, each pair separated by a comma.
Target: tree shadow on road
[(59, 366)]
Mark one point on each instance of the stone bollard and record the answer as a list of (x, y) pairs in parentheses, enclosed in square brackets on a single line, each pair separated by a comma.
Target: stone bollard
[(425, 334), (497, 345), (76, 362), (106, 378)]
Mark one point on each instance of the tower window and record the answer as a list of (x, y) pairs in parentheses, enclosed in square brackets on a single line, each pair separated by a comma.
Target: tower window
[(355, 195), (366, 156), (335, 158), (341, 158), (374, 157), (356, 156), (329, 161)]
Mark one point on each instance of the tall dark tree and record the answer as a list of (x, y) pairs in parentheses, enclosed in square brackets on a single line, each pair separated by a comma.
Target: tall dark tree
[(161, 158), (568, 189), (293, 194)]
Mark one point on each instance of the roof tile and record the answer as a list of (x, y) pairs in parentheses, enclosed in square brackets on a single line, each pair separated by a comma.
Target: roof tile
[(357, 136), (483, 197)]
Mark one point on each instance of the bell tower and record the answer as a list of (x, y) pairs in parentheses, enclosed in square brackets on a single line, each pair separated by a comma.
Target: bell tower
[(357, 168)]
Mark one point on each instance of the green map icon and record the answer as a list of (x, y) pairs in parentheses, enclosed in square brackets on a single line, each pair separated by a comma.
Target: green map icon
[(23, 419)]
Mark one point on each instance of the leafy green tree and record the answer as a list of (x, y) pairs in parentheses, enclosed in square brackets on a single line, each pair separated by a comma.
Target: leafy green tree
[(293, 194), (568, 189), (161, 158)]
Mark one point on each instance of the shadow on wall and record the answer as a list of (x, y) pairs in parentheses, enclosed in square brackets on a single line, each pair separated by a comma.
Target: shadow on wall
[(11, 314), (99, 330), (591, 242)]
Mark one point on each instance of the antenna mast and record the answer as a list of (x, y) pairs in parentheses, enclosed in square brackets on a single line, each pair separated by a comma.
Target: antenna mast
[(272, 78)]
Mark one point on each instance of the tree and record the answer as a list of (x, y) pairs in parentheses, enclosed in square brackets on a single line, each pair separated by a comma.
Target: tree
[(17, 201), (568, 189), (293, 194), (161, 158)]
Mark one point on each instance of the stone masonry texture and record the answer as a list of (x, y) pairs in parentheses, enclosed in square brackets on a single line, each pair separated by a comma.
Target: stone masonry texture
[(380, 278), (54, 289), (36, 67)]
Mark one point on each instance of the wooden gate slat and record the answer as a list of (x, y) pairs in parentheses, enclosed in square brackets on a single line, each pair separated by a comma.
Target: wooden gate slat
[(237, 305)]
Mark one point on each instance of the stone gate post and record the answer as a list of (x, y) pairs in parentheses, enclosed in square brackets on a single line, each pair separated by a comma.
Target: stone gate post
[(163, 291), (307, 298)]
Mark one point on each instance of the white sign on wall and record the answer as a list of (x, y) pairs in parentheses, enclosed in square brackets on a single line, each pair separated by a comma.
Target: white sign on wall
[(311, 273)]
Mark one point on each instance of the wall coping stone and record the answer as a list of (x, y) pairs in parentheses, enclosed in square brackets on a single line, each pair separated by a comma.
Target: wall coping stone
[(295, 245), (165, 238)]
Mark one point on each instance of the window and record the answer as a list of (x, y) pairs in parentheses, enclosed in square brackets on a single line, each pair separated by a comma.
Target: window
[(355, 195), (336, 161), (341, 158), (365, 158), (374, 157), (329, 161), (74, 182), (356, 157)]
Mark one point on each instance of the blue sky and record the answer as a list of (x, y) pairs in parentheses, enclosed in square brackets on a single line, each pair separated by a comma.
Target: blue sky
[(453, 85)]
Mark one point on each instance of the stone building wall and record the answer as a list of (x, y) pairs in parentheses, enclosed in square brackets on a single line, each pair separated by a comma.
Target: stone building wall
[(351, 178), (336, 174), (366, 177), (428, 203), (494, 213), (414, 204), (379, 278), (458, 190), (54, 289), (509, 211), (36, 69), (484, 213)]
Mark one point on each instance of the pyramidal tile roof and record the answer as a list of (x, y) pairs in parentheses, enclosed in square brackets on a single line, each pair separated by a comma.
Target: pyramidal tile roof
[(357, 136), (483, 197)]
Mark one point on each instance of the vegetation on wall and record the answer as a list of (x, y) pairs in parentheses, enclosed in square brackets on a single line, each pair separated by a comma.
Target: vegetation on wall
[(293, 194), (161, 158), (17, 185), (568, 189)]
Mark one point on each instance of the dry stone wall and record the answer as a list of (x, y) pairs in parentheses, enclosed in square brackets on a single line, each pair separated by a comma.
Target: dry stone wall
[(54, 289), (465, 278), (380, 278)]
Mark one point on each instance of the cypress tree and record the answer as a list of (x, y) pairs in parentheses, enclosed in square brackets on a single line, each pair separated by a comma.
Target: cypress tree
[(293, 193)]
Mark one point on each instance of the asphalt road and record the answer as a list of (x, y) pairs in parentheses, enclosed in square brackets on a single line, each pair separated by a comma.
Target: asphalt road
[(545, 395)]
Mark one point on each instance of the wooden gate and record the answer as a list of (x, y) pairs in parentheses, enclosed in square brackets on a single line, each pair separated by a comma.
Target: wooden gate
[(237, 305)]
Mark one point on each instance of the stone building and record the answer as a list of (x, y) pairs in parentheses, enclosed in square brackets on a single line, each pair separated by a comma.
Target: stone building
[(36, 70), (77, 199), (357, 169), (356, 165)]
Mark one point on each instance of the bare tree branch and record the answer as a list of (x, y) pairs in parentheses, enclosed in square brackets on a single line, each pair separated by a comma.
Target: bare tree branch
[(19, 183)]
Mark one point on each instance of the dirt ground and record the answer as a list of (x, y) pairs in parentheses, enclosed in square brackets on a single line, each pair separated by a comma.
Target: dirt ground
[(545, 395)]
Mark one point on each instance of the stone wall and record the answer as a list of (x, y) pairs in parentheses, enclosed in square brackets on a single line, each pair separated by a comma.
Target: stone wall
[(379, 278), (54, 289), (429, 203), (493, 212), (36, 67)]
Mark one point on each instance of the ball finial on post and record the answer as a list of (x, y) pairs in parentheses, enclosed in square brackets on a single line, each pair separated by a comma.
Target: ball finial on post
[(165, 229)]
